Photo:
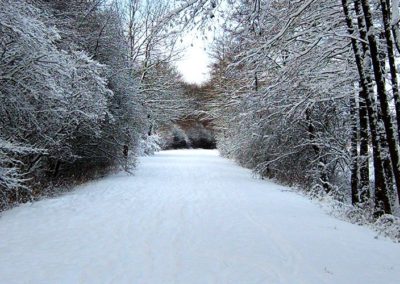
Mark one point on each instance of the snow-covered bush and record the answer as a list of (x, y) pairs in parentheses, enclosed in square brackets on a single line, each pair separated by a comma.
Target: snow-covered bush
[(150, 144), (200, 137), (80, 107), (175, 138), (277, 108), (12, 177), (388, 226)]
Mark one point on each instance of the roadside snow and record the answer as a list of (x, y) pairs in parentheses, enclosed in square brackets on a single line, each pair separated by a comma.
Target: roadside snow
[(188, 217)]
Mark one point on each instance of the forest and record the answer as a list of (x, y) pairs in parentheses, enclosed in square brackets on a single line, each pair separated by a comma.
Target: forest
[(302, 92)]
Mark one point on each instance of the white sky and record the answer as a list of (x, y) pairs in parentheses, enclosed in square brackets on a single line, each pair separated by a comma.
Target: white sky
[(194, 64)]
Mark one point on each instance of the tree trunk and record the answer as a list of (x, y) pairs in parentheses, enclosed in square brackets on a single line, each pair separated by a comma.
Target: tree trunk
[(382, 96), (364, 186), (385, 6), (355, 199), (395, 22), (322, 171), (382, 201), (363, 113)]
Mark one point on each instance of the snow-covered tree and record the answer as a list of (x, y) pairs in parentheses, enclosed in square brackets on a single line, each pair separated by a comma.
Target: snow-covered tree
[(287, 100)]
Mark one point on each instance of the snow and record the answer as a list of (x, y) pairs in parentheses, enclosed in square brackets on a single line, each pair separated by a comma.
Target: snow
[(188, 216)]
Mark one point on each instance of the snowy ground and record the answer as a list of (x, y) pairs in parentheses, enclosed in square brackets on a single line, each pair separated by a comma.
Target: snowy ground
[(188, 217)]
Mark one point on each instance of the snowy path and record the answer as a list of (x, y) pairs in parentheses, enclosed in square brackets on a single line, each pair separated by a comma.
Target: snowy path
[(188, 217)]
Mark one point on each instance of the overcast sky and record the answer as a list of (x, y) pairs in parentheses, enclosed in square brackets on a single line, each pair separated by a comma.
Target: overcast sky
[(194, 64)]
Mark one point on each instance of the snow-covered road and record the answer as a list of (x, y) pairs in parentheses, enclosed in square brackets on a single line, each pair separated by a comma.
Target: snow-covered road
[(188, 217)]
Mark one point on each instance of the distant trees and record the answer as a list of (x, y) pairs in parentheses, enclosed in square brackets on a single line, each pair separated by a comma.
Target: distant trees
[(188, 124)]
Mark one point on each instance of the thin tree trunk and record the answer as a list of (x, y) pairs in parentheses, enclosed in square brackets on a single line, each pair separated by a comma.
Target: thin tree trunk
[(322, 171), (363, 113), (395, 16), (387, 164), (355, 199), (385, 6), (364, 154)]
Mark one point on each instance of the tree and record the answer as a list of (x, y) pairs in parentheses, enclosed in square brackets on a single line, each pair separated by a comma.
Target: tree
[(314, 130)]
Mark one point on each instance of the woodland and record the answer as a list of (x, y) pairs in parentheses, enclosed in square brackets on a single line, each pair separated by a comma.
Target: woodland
[(303, 92)]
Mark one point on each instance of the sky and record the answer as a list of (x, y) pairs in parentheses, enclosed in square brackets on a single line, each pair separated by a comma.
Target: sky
[(195, 61)]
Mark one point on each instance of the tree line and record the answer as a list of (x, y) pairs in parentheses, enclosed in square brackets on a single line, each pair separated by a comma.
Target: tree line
[(304, 92)]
